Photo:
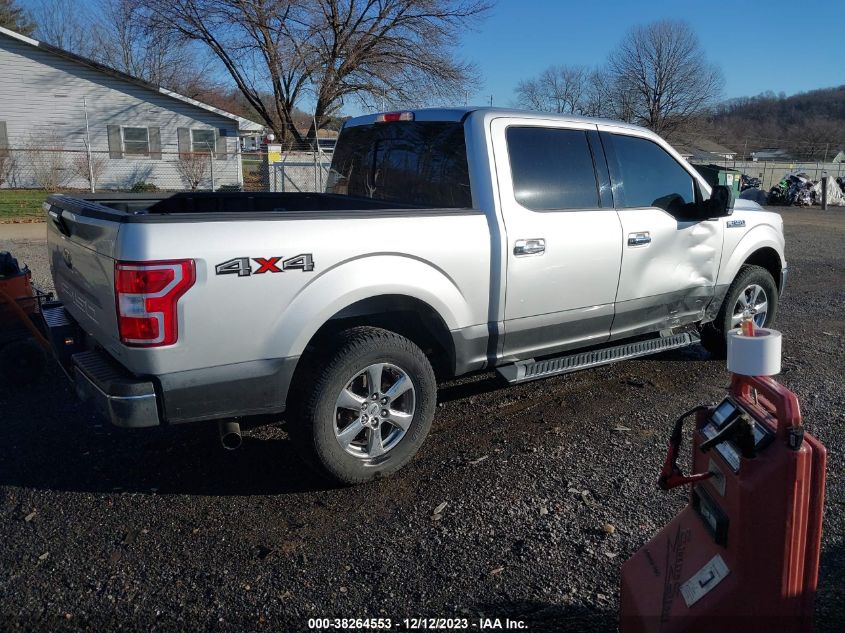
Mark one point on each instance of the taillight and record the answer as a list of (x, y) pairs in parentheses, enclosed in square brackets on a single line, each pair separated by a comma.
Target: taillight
[(146, 294)]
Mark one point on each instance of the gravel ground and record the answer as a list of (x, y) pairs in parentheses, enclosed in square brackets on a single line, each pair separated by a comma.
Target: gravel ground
[(104, 528)]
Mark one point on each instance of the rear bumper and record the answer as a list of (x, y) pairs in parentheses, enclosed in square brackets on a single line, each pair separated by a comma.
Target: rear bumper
[(132, 401), (125, 400)]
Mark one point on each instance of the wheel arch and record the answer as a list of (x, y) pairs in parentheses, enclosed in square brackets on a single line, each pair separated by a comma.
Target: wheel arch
[(404, 294), (406, 315), (761, 246), (768, 258)]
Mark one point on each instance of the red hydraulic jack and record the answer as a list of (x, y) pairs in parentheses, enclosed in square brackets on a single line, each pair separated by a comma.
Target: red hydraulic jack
[(744, 553)]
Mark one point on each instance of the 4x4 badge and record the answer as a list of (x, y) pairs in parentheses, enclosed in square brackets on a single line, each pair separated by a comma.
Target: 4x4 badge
[(242, 266), (732, 224)]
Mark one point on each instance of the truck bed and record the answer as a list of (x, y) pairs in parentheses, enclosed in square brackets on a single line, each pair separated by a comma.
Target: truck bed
[(352, 244), (193, 206)]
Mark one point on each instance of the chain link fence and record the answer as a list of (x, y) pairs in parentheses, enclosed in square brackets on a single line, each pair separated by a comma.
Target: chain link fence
[(29, 175), (771, 173)]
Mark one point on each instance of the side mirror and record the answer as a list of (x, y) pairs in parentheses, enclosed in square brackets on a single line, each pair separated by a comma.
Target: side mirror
[(720, 204)]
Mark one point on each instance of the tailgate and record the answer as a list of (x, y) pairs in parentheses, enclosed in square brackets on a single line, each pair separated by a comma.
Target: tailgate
[(81, 253)]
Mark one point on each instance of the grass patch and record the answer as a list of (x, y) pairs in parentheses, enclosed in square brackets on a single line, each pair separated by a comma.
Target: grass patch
[(21, 204)]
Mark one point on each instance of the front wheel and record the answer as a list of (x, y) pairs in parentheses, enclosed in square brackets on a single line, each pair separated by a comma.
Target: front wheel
[(366, 406), (754, 293)]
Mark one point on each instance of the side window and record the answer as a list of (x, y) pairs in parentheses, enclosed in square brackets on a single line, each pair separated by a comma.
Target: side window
[(202, 141), (650, 176), (552, 169), (136, 141)]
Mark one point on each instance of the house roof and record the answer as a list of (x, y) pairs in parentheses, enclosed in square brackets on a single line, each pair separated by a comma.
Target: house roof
[(770, 152), (683, 149), (700, 147), (243, 124), (711, 146)]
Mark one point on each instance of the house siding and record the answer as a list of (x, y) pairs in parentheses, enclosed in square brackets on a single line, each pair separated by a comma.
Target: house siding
[(41, 98)]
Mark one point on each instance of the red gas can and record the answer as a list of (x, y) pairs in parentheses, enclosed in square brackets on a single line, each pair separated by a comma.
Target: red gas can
[(744, 554)]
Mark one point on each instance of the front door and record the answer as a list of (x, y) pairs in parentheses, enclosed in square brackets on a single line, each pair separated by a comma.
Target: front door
[(669, 262), (564, 240)]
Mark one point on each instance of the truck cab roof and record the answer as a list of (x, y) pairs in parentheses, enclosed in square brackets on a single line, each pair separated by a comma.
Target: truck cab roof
[(461, 113)]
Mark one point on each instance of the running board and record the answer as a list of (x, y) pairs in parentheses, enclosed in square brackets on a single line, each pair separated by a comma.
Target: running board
[(526, 370)]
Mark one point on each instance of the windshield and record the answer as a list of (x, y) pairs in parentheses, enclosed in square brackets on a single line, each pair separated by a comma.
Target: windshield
[(408, 162)]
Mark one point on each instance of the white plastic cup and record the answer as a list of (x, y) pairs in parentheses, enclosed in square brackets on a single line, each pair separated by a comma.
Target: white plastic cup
[(757, 355)]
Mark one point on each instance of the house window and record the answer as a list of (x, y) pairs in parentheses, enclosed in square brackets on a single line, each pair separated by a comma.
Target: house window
[(202, 141), (136, 141)]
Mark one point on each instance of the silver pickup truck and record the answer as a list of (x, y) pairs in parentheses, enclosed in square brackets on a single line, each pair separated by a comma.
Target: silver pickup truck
[(448, 241)]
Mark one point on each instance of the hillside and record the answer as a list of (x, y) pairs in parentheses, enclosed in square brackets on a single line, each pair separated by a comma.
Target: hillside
[(811, 125)]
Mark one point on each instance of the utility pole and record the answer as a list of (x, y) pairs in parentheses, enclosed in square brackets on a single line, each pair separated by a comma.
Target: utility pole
[(88, 147), (491, 101), (211, 163)]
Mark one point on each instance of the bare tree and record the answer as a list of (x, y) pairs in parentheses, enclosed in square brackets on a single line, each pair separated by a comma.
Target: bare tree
[(89, 166), (660, 76), (45, 160), (7, 166), (15, 18), (67, 24), (612, 97), (192, 168), (558, 89), (279, 51), (125, 42), (112, 32)]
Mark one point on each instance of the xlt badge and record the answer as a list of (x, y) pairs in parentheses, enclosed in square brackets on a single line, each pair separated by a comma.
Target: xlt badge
[(243, 266)]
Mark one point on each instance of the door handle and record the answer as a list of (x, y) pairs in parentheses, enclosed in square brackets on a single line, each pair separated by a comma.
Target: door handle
[(534, 246), (639, 239)]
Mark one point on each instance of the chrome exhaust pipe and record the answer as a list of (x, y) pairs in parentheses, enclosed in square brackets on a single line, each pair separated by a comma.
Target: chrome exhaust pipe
[(230, 434)]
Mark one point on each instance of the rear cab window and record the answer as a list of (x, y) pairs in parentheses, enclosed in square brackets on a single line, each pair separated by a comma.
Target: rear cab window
[(552, 168), (415, 163)]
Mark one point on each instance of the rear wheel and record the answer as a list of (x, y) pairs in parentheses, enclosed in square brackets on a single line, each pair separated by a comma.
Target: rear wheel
[(753, 293), (366, 406)]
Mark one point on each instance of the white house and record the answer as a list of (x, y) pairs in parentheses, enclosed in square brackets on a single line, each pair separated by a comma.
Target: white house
[(65, 118)]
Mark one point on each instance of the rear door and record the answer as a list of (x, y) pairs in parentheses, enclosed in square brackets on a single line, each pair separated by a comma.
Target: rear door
[(669, 262), (564, 240)]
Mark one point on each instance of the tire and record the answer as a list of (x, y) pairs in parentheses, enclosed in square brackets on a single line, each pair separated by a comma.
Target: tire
[(21, 363), (750, 280), (341, 428)]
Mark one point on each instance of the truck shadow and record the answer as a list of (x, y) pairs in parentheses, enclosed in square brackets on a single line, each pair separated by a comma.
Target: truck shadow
[(52, 441)]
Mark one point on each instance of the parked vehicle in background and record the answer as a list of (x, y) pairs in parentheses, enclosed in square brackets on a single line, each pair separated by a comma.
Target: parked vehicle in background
[(747, 182), (449, 241)]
